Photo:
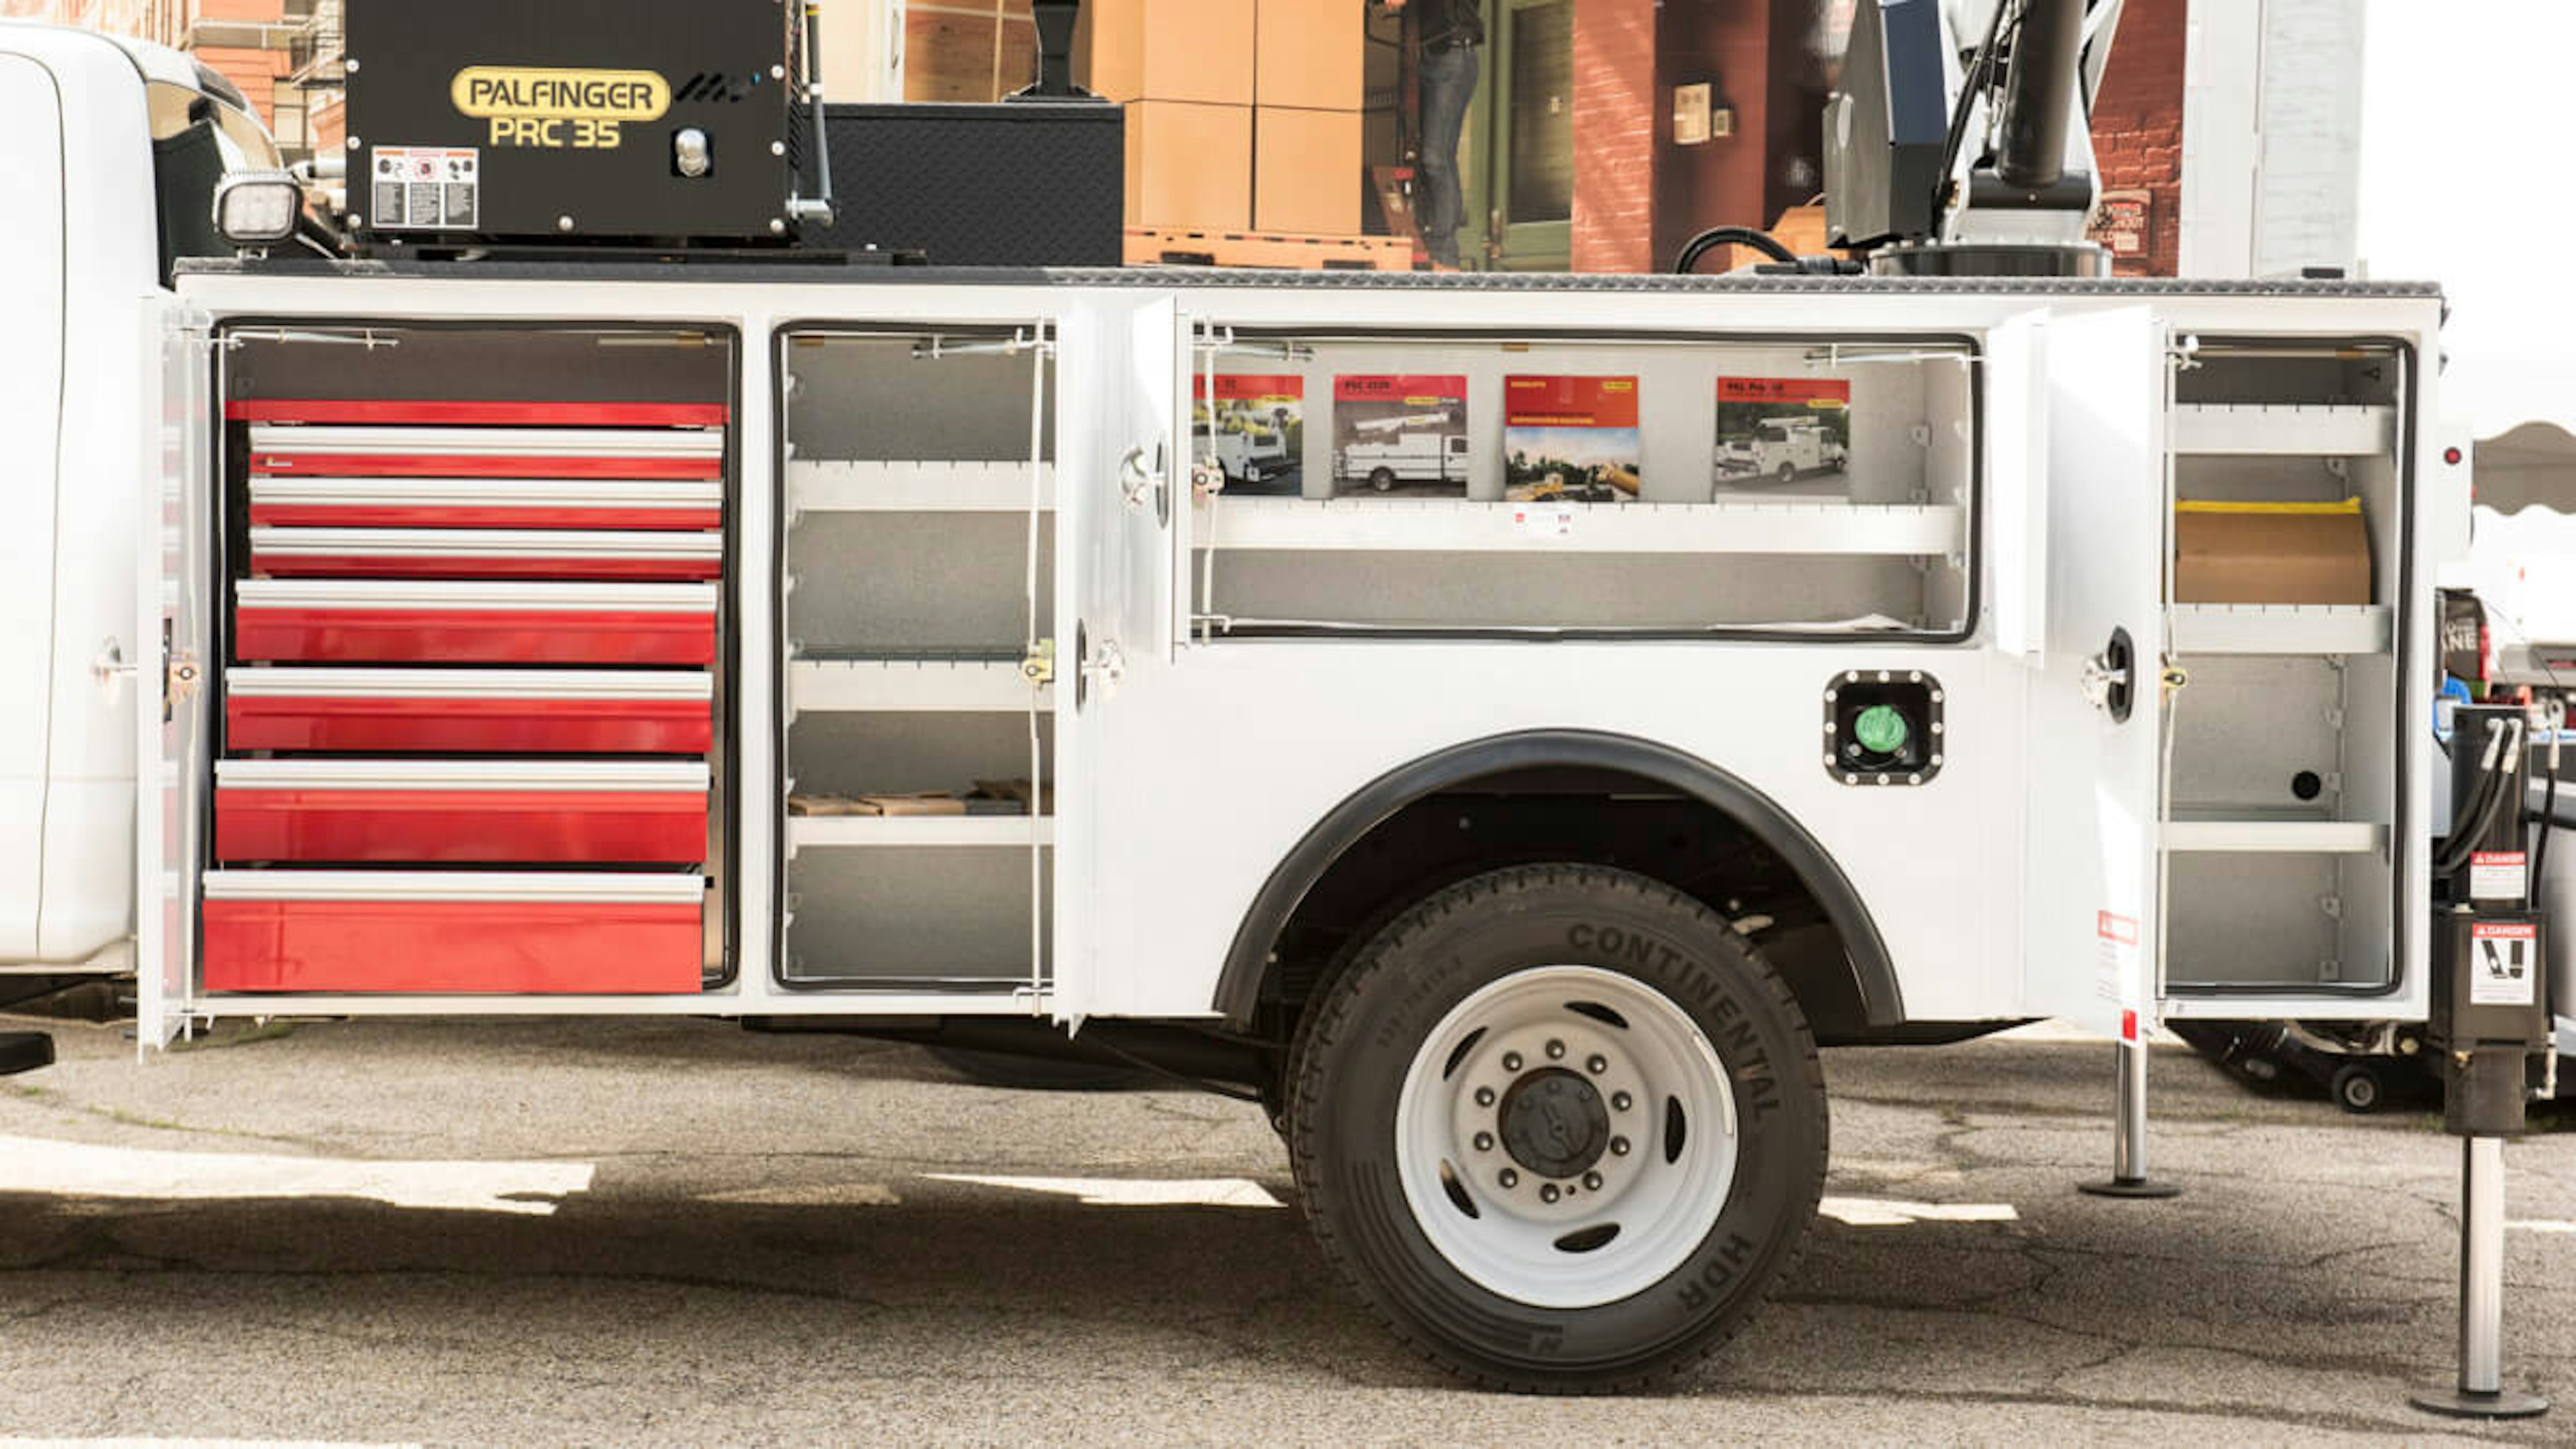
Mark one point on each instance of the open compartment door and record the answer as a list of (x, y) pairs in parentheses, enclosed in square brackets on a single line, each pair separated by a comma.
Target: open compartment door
[(1123, 601), (2096, 712), (175, 603)]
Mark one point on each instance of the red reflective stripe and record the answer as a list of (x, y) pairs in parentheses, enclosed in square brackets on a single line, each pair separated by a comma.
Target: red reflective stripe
[(453, 465), (542, 946), (471, 636), (436, 411), (492, 726), (462, 827), (332, 566), (381, 515)]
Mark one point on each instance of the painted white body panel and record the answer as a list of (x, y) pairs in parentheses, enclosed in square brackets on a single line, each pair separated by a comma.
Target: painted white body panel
[(80, 183), (1159, 854)]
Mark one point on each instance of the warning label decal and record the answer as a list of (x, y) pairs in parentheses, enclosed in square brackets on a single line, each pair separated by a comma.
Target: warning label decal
[(2498, 875), (2504, 962), (425, 188)]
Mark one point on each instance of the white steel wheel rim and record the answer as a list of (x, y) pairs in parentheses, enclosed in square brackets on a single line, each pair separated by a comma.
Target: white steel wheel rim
[(1492, 1098)]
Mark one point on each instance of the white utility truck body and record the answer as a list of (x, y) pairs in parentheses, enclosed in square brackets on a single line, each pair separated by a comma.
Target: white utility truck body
[(1389, 451), (1782, 448), (1245, 457), (581, 638)]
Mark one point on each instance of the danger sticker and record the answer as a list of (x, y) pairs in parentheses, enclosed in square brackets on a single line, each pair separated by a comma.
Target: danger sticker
[(2115, 959), (425, 188), (2498, 875), (2504, 963)]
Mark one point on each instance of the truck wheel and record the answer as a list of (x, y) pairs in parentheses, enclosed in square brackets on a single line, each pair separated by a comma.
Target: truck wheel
[(1382, 479), (1251, 473), (1787, 475), (1561, 1127), (2356, 1088)]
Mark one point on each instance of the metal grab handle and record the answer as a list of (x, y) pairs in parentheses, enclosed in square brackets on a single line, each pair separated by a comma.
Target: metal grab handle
[(110, 663), (2109, 677)]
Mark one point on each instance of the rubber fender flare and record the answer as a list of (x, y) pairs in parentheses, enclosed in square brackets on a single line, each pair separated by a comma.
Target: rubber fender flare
[(1238, 985)]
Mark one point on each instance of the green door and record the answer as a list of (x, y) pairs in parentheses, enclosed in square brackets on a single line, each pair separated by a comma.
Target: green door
[(1528, 178)]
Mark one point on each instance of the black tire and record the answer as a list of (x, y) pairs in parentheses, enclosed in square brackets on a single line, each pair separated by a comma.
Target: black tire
[(2357, 1088), (1352, 1068), (1382, 479), (1787, 475), (1037, 1074)]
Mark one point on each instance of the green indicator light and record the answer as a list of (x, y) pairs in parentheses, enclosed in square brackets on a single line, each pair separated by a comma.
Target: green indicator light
[(1881, 729)]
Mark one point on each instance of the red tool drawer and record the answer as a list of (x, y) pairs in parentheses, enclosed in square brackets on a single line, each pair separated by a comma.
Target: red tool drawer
[(484, 452), (470, 711), (486, 502), (269, 930), (344, 621), (461, 812), (484, 553)]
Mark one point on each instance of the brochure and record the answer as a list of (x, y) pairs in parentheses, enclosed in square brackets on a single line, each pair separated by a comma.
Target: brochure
[(1774, 432), (1400, 433), (1570, 439), (1254, 429)]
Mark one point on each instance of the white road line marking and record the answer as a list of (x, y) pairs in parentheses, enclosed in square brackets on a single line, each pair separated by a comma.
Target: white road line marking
[(1881, 1212), (2543, 1225), (1132, 1192), (80, 1169)]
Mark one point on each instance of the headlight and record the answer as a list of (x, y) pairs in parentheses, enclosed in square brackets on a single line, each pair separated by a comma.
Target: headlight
[(253, 208)]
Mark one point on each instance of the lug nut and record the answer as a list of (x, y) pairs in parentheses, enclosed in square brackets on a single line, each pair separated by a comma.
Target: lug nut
[(1511, 1061), (1621, 1101), (1618, 1146), (1484, 1096), (1592, 1182), (1596, 1064), (1555, 1050), (1484, 1142), (1508, 1178), (1547, 1192)]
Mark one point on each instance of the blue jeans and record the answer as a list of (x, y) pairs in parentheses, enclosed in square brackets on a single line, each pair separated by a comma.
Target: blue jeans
[(1448, 81)]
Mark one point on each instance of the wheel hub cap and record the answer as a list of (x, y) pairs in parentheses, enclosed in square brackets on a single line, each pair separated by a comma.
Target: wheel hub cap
[(1554, 1123)]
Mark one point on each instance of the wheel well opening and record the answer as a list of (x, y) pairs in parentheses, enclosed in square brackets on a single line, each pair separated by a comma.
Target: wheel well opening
[(1588, 814)]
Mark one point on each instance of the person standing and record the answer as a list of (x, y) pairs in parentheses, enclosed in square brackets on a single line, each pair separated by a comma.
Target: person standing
[(1446, 34)]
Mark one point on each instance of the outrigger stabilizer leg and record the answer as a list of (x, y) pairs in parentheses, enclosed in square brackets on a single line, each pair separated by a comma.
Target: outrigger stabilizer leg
[(2129, 1126)]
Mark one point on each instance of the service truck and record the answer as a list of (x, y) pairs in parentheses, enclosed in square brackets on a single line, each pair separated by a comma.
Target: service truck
[(1413, 448), (1783, 449), (505, 620)]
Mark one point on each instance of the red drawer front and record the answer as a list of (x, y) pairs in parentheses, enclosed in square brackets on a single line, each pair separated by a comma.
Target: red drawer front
[(486, 566), (468, 726), (450, 412), (349, 515), (470, 465), (461, 827), (324, 635), (495, 946)]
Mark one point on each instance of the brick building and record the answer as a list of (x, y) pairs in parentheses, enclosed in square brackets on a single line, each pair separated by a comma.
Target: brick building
[(262, 46)]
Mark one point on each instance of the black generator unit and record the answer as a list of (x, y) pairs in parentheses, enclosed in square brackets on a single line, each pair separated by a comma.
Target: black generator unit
[(656, 121)]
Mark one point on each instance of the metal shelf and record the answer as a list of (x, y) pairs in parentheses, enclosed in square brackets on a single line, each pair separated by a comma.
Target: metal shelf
[(2281, 628), (963, 684), (842, 486), (1779, 526), (918, 830), (2283, 429), (2273, 835)]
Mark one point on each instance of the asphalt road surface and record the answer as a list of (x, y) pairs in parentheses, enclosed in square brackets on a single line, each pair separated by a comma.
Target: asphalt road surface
[(673, 1231)]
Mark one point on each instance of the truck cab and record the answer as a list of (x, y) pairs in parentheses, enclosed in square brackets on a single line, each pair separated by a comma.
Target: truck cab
[(114, 151)]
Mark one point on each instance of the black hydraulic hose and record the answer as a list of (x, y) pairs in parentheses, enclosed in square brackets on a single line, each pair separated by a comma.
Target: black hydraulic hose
[(1976, 82), (1718, 236), (2548, 823)]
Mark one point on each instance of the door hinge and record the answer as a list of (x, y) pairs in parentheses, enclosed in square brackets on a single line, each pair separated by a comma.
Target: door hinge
[(184, 676), (1038, 665)]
